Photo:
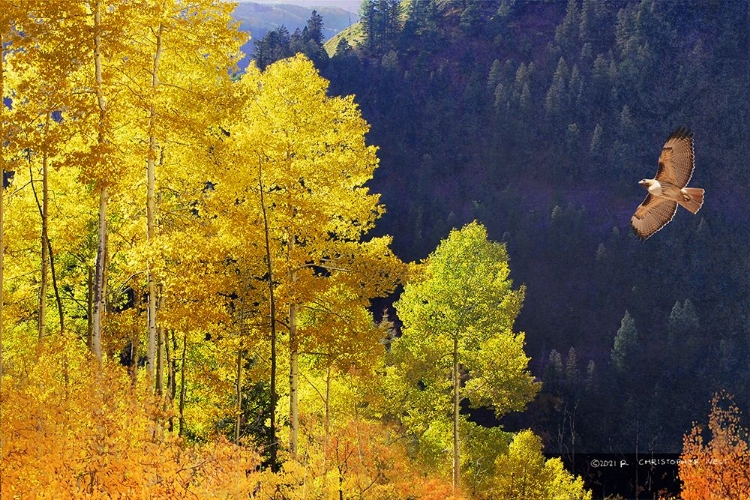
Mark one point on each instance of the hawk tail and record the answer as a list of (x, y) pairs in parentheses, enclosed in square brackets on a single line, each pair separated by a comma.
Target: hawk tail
[(694, 199)]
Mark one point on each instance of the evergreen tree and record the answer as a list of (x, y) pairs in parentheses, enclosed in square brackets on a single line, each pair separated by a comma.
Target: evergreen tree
[(571, 367), (272, 47), (381, 24), (314, 28), (626, 344), (556, 102)]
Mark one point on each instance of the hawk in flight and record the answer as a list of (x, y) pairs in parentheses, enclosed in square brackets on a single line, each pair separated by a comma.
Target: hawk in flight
[(676, 164)]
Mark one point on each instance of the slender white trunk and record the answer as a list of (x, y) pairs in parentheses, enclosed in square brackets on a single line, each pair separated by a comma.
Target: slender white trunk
[(101, 251), (151, 208), (159, 347), (99, 274), (326, 427), (272, 323)]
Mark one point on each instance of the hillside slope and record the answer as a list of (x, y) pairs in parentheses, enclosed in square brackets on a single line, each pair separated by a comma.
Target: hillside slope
[(538, 119)]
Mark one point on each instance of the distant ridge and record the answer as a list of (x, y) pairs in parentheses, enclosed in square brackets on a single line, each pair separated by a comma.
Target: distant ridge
[(350, 5), (260, 18)]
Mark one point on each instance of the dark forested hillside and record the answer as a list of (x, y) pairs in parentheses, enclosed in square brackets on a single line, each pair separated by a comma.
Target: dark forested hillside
[(538, 119), (194, 297)]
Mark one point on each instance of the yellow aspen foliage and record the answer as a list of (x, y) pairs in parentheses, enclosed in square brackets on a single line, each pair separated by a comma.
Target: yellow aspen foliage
[(524, 474), (720, 466), (73, 430), (224, 223), (294, 167), (71, 235)]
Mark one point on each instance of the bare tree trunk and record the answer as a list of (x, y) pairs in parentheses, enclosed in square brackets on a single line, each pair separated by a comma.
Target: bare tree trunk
[(44, 209), (159, 361), (101, 252), (172, 361), (151, 205), (134, 353), (2, 198), (456, 401), (90, 308), (238, 394), (272, 324), (293, 382), (58, 298), (327, 427), (99, 281), (47, 256), (171, 373), (159, 349), (181, 432)]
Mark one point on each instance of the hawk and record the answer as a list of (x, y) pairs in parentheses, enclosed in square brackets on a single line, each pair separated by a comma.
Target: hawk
[(667, 189)]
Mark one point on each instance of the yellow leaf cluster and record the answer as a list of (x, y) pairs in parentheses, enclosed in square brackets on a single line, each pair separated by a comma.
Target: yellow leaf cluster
[(523, 473), (73, 430)]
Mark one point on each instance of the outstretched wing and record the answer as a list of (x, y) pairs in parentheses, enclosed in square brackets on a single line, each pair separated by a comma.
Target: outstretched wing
[(677, 162), (651, 215)]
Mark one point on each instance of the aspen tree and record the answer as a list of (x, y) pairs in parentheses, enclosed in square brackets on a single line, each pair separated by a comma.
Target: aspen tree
[(40, 94), (457, 339), (186, 51), (306, 162), (7, 32)]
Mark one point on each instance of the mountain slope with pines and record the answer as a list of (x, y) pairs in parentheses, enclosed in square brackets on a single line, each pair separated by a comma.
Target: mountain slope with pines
[(538, 119)]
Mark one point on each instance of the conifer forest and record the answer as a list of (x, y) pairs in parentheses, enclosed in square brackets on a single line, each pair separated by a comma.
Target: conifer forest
[(396, 263)]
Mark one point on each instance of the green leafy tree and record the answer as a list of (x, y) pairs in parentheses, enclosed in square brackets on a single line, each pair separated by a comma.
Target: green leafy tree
[(458, 342), (524, 473)]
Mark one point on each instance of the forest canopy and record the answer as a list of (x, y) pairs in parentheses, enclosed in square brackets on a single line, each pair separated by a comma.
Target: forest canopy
[(398, 266), (189, 273)]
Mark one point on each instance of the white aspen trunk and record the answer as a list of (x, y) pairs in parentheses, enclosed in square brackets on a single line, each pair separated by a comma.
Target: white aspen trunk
[(101, 251), (327, 428), (151, 209), (99, 281), (293, 361), (159, 347)]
